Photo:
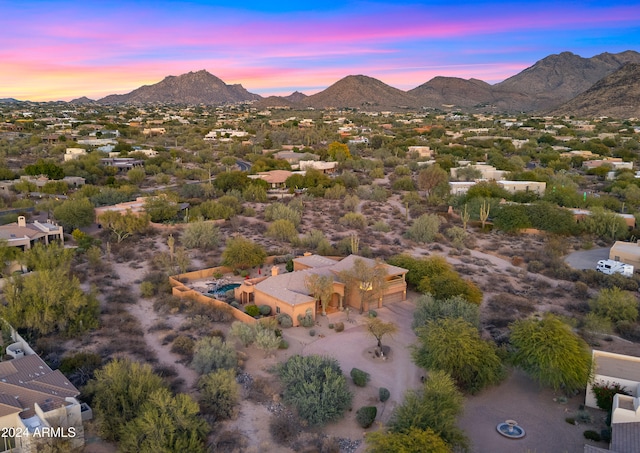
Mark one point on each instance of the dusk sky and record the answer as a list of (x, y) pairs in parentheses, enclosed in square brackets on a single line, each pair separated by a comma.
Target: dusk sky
[(61, 50)]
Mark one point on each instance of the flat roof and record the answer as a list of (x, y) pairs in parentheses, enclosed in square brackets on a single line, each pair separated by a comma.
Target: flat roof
[(617, 365)]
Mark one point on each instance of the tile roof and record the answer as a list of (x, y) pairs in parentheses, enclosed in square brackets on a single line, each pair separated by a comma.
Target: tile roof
[(28, 380), (625, 437)]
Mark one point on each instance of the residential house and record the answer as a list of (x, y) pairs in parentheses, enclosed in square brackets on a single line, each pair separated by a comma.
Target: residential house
[(288, 292), (610, 368), (26, 235), (461, 187), (74, 153), (423, 151), (324, 167), (136, 207), (275, 178), (486, 171), (626, 252), (37, 403), (122, 163)]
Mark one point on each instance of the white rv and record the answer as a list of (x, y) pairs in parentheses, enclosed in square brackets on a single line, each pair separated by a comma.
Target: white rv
[(611, 267)]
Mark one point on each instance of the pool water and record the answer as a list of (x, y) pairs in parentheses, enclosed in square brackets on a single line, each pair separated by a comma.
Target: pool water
[(224, 288)]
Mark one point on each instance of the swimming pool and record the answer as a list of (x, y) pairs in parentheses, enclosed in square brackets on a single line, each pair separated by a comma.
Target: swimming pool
[(223, 289)]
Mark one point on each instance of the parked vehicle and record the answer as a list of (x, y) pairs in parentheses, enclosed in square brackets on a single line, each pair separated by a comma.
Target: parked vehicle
[(611, 267)]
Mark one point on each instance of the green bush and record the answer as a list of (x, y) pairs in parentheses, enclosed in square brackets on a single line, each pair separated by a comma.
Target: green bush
[(373, 314), (339, 326), (383, 394), (265, 310), (285, 320), (331, 326), (366, 415), (85, 361), (312, 333), (604, 392), (570, 420), (235, 305), (360, 378), (605, 435), (306, 320), (592, 435), (147, 289), (316, 387), (183, 345), (283, 344), (252, 310)]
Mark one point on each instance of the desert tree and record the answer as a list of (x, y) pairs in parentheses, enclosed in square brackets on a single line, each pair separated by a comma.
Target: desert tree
[(551, 353), (123, 225), (435, 406), (453, 345), (242, 253), (377, 328), (219, 394), (368, 280), (320, 287), (413, 440)]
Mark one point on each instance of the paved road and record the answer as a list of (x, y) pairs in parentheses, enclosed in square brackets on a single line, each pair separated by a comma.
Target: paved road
[(586, 259)]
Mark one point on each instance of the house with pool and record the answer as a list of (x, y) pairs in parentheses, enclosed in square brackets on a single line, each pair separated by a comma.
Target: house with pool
[(288, 292)]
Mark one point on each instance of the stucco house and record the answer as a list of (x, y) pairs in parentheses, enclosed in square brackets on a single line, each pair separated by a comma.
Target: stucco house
[(610, 368), (626, 252), (26, 235), (38, 403), (288, 292)]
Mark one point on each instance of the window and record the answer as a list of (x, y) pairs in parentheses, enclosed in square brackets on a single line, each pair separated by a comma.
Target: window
[(277, 310)]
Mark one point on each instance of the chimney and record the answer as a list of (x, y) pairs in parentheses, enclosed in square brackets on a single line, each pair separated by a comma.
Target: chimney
[(274, 271), (307, 254), (22, 221)]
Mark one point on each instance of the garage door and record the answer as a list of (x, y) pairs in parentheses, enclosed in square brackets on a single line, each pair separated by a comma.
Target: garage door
[(391, 298)]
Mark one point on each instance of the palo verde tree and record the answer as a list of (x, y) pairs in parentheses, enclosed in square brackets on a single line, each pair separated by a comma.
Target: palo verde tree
[(436, 406), (413, 440), (124, 225), (453, 345), (369, 280), (242, 253), (320, 287), (377, 328), (549, 351)]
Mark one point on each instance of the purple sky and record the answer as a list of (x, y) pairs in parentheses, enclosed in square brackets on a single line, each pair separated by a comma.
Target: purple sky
[(51, 50)]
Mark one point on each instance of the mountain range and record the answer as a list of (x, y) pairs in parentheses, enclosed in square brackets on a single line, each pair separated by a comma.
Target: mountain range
[(562, 83)]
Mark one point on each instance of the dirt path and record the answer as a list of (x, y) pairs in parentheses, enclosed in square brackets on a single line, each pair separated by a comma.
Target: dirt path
[(143, 311)]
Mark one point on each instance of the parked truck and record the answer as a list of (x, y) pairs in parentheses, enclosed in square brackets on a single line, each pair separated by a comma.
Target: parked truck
[(611, 267)]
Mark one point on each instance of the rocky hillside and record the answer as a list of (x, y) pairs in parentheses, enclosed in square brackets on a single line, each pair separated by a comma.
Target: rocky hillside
[(617, 95), (192, 88), (558, 78), (443, 91), (361, 92)]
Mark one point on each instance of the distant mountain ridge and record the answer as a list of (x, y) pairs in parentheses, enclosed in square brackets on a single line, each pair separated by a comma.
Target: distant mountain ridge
[(616, 95), (199, 87), (543, 87)]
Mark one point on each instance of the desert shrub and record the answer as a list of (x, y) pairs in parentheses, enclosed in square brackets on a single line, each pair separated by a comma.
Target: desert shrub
[(211, 354), (235, 305), (245, 333), (629, 330), (219, 394), (373, 314), (252, 310), (147, 289), (430, 309), (284, 344), (605, 434), (284, 320), (360, 378), (267, 340), (425, 228), (316, 387), (353, 220), (312, 333), (331, 326), (570, 420), (283, 428), (592, 435), (381, 227), (366, 415), (383, 394), (183, 345), (616, 305), (583, 416), (265, 310), (306, 320), (339, 326)]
